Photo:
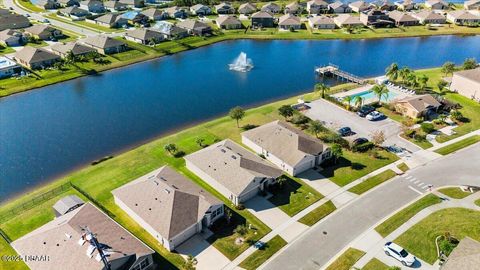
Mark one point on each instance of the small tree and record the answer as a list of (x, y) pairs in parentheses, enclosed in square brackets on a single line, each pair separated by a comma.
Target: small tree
[(228, 215), (190, 263), (378, 137), (171, 148), (200, 141), (380, 90), (456, 115), (441, 85), (448, 68), (286, 111), (241, 229), (281, 181), (423, 81), (337, 151), (237, 114), (322, 88), (315, 127), (470, 63), (358, 101)]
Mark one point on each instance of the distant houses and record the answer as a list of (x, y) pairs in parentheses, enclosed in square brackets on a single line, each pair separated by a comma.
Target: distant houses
[(339, 7), (375, 18), (262, 19), (168, 206), (176, 12), (170, 31), (403, 19), (293, 8), (271, 7), (111, 20), (429, 17), (105, 45), (12, 38), (155, 14), (93, 6), (462, 17), (289, 22), (347, 20), (247, 8), (200, 9), (436, 4), (144, 36), (74, 12), (472, 5), (13, 21), (321, 22), (224, 8), (317, 7), (228, 22), (235, 172), (359, 6), (405, 5), (43, 32), (287, 147), (467, 83), (114, 6)]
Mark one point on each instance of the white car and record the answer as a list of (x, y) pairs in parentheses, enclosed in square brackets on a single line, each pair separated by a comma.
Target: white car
[(374, 116), (397, 252)]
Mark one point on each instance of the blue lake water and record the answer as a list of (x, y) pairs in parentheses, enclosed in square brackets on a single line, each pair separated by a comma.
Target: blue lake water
[(49, 131)]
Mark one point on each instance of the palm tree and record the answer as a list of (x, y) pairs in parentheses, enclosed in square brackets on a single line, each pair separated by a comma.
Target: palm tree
[(171, 148), (412, 79), (348, 100), (448, 68), (358, 100), (404, 73), (380, 90), (322, 88), (316, 127), (336, 151), (392, 72), (423, 81)]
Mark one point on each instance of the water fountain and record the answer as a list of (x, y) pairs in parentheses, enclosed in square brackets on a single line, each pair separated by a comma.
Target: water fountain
[(241, 63)]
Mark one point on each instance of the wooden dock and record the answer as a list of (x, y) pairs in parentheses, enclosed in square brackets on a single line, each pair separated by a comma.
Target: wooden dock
[(336, 72)]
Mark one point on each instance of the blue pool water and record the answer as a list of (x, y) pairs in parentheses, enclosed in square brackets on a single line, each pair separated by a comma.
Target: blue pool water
[(367, 95)]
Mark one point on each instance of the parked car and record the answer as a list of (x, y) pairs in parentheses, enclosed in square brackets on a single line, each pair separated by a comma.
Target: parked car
[(46, 21), (27, 15), (397, 252), (345, 131), (359, 141), (374, 116), (364, 110), (259, 245)]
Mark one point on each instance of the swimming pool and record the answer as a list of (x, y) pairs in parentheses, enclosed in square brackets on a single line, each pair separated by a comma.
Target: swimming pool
[(369, 95)]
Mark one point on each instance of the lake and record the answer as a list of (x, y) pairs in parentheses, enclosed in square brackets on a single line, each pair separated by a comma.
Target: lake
[(49, 131)]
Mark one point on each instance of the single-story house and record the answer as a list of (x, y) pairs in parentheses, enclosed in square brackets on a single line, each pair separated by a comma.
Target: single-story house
[(8, 67), (289, 21), (135, 17), (69, 243), (384, 5), (74, 12), (402, 18), (13, 21), (339, 7), (43, 32), (467, 83), (405, 5), (168, 206), (195, 27), (472, 5), (224, 8), (93, 6), (228, 22), (375, 18), (436, 4), (76, 48), (200, 9), (11, 38), (359, 6), (144, 36), (67, 204), (155, 14), (271, 8), (176, 12), (68, 3), (317, 7), (105, 45), (133, 3), (462, 17), (416, 106), (262, 19), (111, 20), (35, 58), (114, 6), (47, 4), (170, 31), (321, 22), (235, 172), (293, 8), (429, 17), (465, 256), (247, 8), (287, 147), (347, 20)]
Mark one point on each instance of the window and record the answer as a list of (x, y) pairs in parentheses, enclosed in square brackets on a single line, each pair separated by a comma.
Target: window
[(145, 263)]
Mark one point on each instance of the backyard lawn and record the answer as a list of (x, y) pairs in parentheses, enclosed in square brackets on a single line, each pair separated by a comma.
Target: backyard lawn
[(262, 255), (395, 221), (458, 222), (477, 202), (318, 214), (375, 264), (458, 145), (347, 260), (454, 192), (293, 196), (6, 249), (373, 182)]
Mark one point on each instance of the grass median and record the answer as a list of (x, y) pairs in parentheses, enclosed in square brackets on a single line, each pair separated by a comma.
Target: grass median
[(260, 256), (373, 182), (454, 192), (458, 145), (318, 214), (375, 264), (347, 260)]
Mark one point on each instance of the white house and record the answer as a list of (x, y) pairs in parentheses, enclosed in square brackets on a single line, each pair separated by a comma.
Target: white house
[(168, 206), (467, 83), (462, 17), (8, 67), (235, 172), (287, 147)]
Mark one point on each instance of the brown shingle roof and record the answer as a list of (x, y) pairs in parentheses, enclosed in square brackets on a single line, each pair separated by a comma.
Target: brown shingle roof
[(74, 47), (103, 42), (420, 103), (472, 74), (33, 55), (466, 256)]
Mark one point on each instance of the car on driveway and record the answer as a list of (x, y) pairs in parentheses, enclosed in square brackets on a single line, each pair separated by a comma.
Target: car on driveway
[(397, 252), (364, 110), (345, 131), (373, 116), (359, 141)]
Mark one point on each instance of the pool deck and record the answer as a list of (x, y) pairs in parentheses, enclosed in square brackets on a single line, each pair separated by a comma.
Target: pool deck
[(399, 95)]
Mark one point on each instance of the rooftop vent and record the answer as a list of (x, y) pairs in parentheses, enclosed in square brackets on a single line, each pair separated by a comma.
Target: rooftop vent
[(68, 235), (234, 157), (175, 187), (223, 150), (167, 191)]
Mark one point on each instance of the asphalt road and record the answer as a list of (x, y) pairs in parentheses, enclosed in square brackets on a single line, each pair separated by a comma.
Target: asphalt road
[(323, 241)]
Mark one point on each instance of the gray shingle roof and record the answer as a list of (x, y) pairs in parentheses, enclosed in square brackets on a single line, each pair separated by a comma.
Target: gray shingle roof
[(33, 55), (228, 20), (144, 34), (192, 24), (321, 20), (420, 103), (472, 74), (289, 19), (466, 256), (74, 47), (66, 203), (103, 42), (262, 14)]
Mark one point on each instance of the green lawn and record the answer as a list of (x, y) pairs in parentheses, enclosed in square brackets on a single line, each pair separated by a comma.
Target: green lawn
[(454, 192), (458, 145), (424, 144), (420, 239), (346, 260), (477, 202), (372, 182), (6, 50), (354, 165), (293, 196), (318, 214), (392, 115), (28, 6), (6, 249), (375, 264), (260, 256), (395, 221), (403, 167)]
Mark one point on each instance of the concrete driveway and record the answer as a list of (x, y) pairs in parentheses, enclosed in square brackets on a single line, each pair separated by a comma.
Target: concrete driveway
[(266, 212), (208, 257), (335, 117)]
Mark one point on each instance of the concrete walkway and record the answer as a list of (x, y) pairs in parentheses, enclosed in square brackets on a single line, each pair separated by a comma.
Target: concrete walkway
[(208, 257)]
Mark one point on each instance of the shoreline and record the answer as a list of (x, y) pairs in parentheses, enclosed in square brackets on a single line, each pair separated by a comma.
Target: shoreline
[(226, 38)]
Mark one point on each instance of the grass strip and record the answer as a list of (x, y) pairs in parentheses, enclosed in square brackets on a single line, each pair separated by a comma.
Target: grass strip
[(458, 145), (260, 256), (454, 192), (373, 182), (347, 260), (318, 214)]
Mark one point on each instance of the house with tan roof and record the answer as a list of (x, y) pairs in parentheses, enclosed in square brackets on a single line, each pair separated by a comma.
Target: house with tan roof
[(436, 4), (403, 19), (224, 8), (262, 19), (43, 32), (247, 8), (68, 245), (271, 7), (359, 6), (465, 256), (35, 58), (289, 21), (347, 20), (13, 21), (168, 206), (472, 5), (10, 38), (293, 8), (467, 83), (462, 17), (339, 7), (114, 5), (111, 20), (321, 22), (195, 27), (405, 5), (228, 22), (106, 45), (144, 36), (232, 170), (74, 12), (429, 17), (287, 147), (75, 48), (416, 106), (200, 9), (176, 12), (317, 7), (154, 14)]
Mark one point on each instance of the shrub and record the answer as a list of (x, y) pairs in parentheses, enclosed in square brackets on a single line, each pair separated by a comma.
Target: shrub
[(248, 127), (427, 127), (364, 147), (240, 206), (420, 137), (409, 133), (418, 120), (300, 119)]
